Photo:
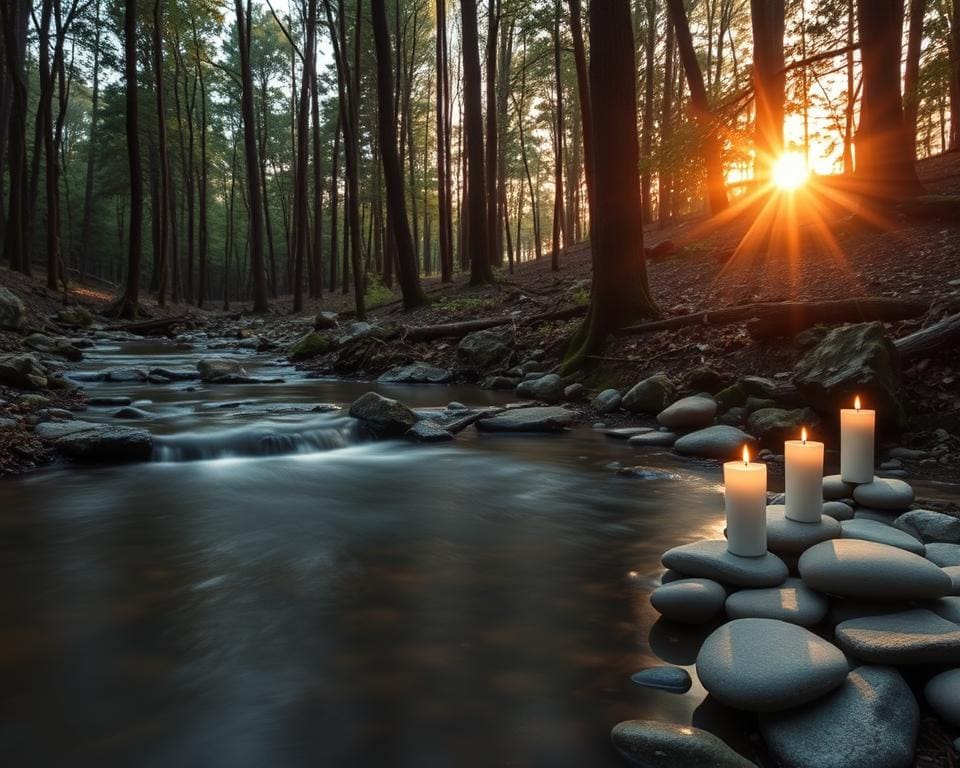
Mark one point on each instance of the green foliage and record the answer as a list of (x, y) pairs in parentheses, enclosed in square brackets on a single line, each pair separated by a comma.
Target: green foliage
[(579, 293), (377, 294)]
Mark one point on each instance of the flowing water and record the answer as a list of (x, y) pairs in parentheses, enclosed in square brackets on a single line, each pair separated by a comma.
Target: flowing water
[(273, 591)]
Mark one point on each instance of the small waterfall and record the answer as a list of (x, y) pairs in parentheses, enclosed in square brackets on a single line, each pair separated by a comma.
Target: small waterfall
[(264, 438)]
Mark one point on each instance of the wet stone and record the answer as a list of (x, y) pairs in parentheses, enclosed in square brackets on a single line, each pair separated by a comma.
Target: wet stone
[(789, 537), (673, 679), (884, 493), (689, 601), (793, 602), (918, 636), (650, 744), (710, 559), (871, 530)]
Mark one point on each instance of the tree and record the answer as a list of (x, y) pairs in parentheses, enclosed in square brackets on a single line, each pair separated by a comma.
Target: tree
[(444, 210), (767, 17), (884, 163), (413, 295), (14, 17), (620, 294), (911, 75)]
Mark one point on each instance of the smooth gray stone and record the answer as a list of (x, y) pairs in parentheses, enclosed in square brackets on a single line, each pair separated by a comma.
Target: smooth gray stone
[(426, 431), (834, 488), (649, 744), (417, 373), (127, 375), (793, 602), (689, 413), (764, 665), (877, 515), (710, 559), (86, 441), (947, 608), (534, 419), (871, 571), (654, 439), (843, 609), (546, 387), (871, 530), (944, 555), (919, 636), (669, 576), (102, 402), (133, 413), (607, 401), (953, 571), (718, 442), (673, 679), (689, 601), (211, 368), (382, 416), (870, 721), (625, 433), (838, 510), (943, 695), (788, 537), (929, 526), (648, 396), (884, 493)]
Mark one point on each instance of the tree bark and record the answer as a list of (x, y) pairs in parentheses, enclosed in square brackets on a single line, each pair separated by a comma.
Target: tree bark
[(492, 151), (911, 76), (301, 190), (558, 228), (646, 141), (664, 172), (769, 80), (87, 222), (583, 91)]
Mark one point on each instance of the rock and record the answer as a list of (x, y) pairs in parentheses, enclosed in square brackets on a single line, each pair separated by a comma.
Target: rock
[(733, 417), (575, 391), (625, 433), (417, 373), (758, 404), (426, 431), (23, 371), (947, 608), (703, 379), (835, 488), (877, 515), (773, 426), (769, 389), (607, 401), (870, 721), (810, 337), (12, 315), (236, 378), (211, 368), (132, 413), (870, 571), (359, 330), (929, 526), (673, 679), (650, 744), (851, 360), (788, 537), (653, 439), (548, 388), (651, 395), (689, 601), (871, 530), (107, 402), (381, 415), (75, 317), (324, 321), (485, 349), (532, 376), (646, 473), (455, 405), (730, 397), (174, 375), (534, 419), (838, 510), (527, 367), (86, 441), (311, 345), (944, 555), (943, 695), (910, 454), (127, 375), (717, 442), (499, 382), (53, 346), (793, 602), (953, 571), (709, 559), (918, 636), (764, 665), (669, 576), (886, 494), (689, 413)]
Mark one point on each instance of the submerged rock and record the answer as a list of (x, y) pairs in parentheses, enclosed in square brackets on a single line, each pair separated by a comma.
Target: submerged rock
[(381, 415), (533, 419), (86, 441), (211, 368)]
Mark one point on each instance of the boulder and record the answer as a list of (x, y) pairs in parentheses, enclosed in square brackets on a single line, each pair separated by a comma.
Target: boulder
[(75, 317), (174, 375), (86, 441), (485, 349), (324, 321), (943, 695), (416, 373), (730, 397), (12, 315), (717, 442), (548, 388), (918, 636), (53, 346), (870, 721), (773, 426), (884, 493), (870, 571), (426, 431), (534, 419), (127, 375), (765, 665), (929, 526), (689, 601), (653, 439), (769, 389), (786, 537), (382, 416), (851, 360), (575, 391), (944, 555), (673, 679), (703, 379), (709, 559), (311, 345), (689, 413), (23, 371), (499, 382), (651, 395), (213, 368), (651, 744), (793, 602), (607, 401), (871, 530)]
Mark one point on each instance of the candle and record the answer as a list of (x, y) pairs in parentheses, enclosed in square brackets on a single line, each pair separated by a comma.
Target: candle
[(856, 444), (746, 503), (804, 479)]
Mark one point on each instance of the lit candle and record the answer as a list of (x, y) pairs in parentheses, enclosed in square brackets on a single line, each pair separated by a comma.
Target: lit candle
[(856, 443), (804, 479), (745, 497)]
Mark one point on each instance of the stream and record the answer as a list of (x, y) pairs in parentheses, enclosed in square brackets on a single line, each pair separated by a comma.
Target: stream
[(271, 590)]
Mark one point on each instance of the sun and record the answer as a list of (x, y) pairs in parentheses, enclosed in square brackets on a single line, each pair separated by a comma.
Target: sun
[(790, 171)]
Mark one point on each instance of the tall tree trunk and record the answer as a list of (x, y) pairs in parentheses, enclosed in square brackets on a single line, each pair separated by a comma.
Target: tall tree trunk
[(769, 80), (851, 96), (443, 178), (87, 223), (583, 91), (301, 191), (316, 285), (646, 139), (911, 76), (953, 41), (558, 151), (203, 233), (620, 294), (492, 152), (713, 160), (664, 173), (335, 199), (161, 214)]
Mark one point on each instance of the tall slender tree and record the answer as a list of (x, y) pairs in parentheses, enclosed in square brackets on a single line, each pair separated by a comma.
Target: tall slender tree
[(769, 81)]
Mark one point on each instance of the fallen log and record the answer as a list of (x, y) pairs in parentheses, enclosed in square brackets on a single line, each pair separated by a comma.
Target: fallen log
[(463, 327), (930, 340), (158, 327), (784, 318)]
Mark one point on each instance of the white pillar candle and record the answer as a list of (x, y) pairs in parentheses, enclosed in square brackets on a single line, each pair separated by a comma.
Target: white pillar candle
[(856, 444), (804, 479), (745, 497)]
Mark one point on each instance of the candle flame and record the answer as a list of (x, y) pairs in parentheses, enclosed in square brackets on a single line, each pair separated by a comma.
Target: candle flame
[(856, 402), (803, 435), (746, 456)]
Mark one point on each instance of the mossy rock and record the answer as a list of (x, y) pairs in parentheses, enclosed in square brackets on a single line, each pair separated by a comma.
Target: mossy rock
[(730, 397), (34, 401), (311, 345)]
